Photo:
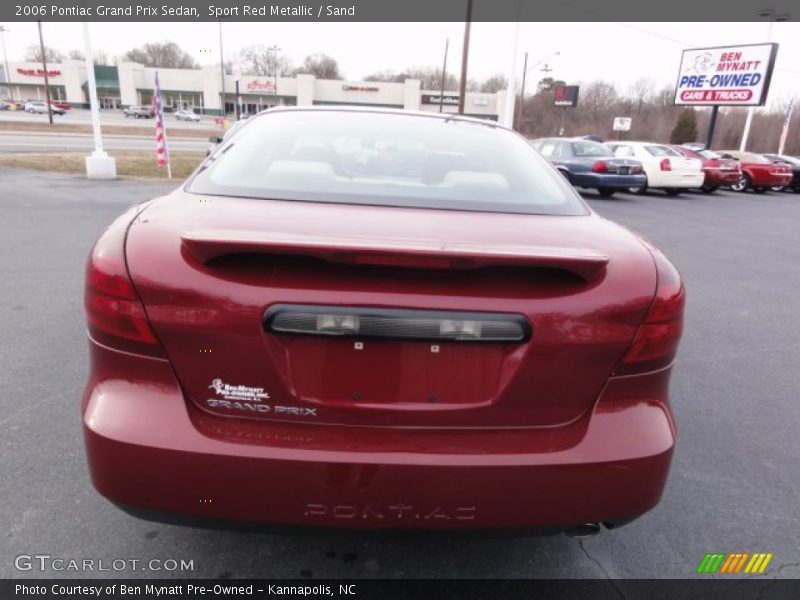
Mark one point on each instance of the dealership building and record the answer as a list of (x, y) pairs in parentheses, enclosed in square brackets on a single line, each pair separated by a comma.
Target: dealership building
[(201, 90)]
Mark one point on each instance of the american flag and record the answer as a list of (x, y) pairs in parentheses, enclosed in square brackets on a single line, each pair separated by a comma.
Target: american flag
[(162, 152), (785, 132)]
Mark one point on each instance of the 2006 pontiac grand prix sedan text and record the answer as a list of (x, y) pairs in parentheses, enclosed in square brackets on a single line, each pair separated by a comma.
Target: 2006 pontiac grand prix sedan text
[(379, 319)]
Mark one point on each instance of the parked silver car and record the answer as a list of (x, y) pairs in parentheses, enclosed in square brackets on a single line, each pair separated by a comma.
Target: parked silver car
[(187, 115), (40, 107)]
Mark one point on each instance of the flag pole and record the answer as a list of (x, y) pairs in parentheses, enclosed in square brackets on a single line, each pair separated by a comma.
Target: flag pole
[(162, 150), (786, 123)]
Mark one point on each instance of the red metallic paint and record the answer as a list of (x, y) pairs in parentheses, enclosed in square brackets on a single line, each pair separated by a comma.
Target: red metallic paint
[(467, 435), (722, 171), (218, 306), (147, 447), (767, 175)]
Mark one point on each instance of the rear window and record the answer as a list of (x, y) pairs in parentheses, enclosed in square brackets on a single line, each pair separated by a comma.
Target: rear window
[(387, 160), (661, 151), (589, 148), (708, 154)]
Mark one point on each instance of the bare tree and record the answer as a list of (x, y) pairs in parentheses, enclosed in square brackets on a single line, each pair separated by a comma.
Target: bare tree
[(258, 59), (430, 77), (493, 84), (100, 57), (320, 66), (165, 55), (34, 54), (641, 92)]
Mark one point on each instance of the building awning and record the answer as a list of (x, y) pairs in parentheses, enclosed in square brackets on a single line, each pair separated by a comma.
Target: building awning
[(103, 84)]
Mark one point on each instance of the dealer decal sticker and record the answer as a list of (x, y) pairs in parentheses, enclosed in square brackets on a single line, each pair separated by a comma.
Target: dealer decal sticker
[(249, 399), (238, 392)]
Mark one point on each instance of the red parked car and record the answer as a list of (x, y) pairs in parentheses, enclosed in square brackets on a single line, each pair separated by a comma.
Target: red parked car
[(379, 319), (62, 104), (719, 171), (758, 172)]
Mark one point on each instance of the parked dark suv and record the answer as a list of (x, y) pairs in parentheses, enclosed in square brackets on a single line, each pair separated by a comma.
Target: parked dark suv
[(139, 112)]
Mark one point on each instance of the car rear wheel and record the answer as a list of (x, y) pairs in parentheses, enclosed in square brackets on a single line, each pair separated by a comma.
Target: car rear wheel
[(606, 192), (709, 189), (743, 184), (639, 190), (778, 188)]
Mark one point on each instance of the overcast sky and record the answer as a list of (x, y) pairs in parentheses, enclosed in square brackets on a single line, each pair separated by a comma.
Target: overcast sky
[(617, 52)]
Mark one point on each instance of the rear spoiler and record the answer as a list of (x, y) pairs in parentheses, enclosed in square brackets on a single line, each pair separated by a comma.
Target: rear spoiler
[(204, 245)]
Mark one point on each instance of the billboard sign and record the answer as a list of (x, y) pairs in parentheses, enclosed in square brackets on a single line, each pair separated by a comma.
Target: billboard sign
[(622, 124), (726, 75), (565, 95)]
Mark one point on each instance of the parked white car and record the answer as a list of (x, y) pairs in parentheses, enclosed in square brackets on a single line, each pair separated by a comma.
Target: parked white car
[(664, 167), (186, 115)]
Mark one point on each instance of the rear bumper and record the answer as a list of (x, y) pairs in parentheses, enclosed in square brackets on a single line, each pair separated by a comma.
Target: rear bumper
[(759, 178), (675, 179), (717, 177), (598, 180), (149, 450)]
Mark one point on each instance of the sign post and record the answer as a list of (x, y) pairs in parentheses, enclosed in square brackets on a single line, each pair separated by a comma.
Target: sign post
[(621, 124), (565, 96), (725, 76)]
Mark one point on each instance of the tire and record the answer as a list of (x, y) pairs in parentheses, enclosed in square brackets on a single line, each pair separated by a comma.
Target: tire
[(639, 190), (743, 185), (606, 192), (778, 188), (672, 191), (709, 189)]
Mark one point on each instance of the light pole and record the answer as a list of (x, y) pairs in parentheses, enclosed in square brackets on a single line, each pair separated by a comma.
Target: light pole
[(274, 49), (772, 18), (462, 85), (511, 94), (444, 74), (525, 72), (221, 77), (46, 79), (3, 30)]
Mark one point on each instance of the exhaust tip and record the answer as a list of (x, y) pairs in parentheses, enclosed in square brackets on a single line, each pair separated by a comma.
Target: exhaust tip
[(583, 530)]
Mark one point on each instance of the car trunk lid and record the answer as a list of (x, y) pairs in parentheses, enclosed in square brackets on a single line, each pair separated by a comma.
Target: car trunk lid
[(209, 273)]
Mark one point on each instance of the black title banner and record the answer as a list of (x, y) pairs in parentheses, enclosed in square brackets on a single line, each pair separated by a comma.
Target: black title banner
[(392, 10)]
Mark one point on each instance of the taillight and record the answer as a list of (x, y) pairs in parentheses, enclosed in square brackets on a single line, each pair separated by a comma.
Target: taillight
[(656, 342), (114, 314), (665, 165), (600, 167)]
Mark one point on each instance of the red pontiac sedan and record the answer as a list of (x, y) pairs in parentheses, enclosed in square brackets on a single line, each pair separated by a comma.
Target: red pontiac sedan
[(758, 172), (719, 171), (379, 319)]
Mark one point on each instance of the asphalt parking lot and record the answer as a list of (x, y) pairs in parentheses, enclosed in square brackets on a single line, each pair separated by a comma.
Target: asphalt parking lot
[(735, 479)]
